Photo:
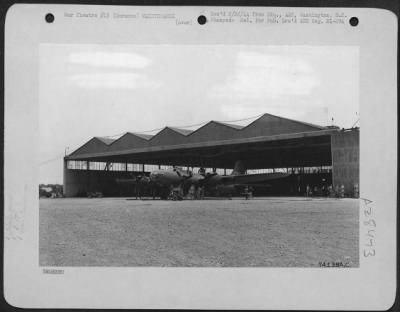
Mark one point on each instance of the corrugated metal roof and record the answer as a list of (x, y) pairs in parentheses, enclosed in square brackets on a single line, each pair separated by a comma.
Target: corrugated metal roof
[(213, 131), (93, 145), (181, 131), (238, 127), (105, 140), (298, 121), (142, 135), (167, 136), (213, 144)]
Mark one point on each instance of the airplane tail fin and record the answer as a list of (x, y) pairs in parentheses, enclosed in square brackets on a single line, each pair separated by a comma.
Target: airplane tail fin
[(239, 168)]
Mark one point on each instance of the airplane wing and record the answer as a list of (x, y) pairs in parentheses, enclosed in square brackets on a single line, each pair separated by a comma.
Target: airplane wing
[(126, 181), (254, 178), (136, 180)]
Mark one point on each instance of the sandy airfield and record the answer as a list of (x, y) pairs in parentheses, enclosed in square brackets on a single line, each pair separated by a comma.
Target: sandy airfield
[(268, 232)]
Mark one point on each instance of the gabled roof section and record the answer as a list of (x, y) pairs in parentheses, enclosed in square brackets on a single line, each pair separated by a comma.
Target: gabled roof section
[(269, 124), (129, 140), (212, 123), (167, 136), (266, 126), (105, 140), (212, 131), (142, 135), (237, 127), (317, 127), (94, 145), (181, 131)]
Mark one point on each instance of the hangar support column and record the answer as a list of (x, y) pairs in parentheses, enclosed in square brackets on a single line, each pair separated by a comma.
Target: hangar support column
[(345, 148), (64, 177), (79, 182), (75, 181)]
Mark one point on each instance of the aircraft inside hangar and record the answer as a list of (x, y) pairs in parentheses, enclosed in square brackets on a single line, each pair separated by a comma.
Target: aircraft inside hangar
[(311, 156)]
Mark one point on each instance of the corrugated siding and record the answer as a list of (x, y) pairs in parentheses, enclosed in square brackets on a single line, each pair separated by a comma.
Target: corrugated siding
[(346, 160)]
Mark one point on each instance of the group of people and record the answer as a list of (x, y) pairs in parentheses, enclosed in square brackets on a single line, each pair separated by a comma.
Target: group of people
[(196, 192), (316, 191), (176, 193)]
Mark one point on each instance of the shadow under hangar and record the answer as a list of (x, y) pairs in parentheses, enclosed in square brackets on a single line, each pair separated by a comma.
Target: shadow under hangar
[(316, 156)]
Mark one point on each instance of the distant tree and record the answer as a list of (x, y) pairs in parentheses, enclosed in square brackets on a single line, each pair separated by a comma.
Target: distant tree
[(46, 190)]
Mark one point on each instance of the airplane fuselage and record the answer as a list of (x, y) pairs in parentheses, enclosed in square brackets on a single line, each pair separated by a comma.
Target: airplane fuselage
[(166, 182), (166, 178)]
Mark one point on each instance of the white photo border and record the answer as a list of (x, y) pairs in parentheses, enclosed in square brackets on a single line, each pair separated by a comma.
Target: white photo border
[(372, 286)]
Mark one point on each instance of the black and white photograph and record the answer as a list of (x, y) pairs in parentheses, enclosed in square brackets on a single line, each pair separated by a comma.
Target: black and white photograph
[(200, 157), (208, 156)]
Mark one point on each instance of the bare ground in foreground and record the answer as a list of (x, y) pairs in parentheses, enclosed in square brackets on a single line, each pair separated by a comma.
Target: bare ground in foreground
[(269, 232)]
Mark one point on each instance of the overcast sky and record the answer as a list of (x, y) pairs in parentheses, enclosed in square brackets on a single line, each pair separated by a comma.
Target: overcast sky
[(104, 90)]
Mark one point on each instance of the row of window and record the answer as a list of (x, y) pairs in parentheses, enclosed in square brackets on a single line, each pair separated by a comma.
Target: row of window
[(83, 165), (320, 169), (95, 165)]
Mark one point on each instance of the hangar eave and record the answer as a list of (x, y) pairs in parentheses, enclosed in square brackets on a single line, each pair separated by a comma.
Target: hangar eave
[(285, 150)]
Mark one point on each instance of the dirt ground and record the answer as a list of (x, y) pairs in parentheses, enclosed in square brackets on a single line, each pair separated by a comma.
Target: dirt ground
[(269, 232)]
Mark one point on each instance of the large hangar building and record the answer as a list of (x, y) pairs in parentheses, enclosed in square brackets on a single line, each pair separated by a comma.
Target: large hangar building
[(316, 156)]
